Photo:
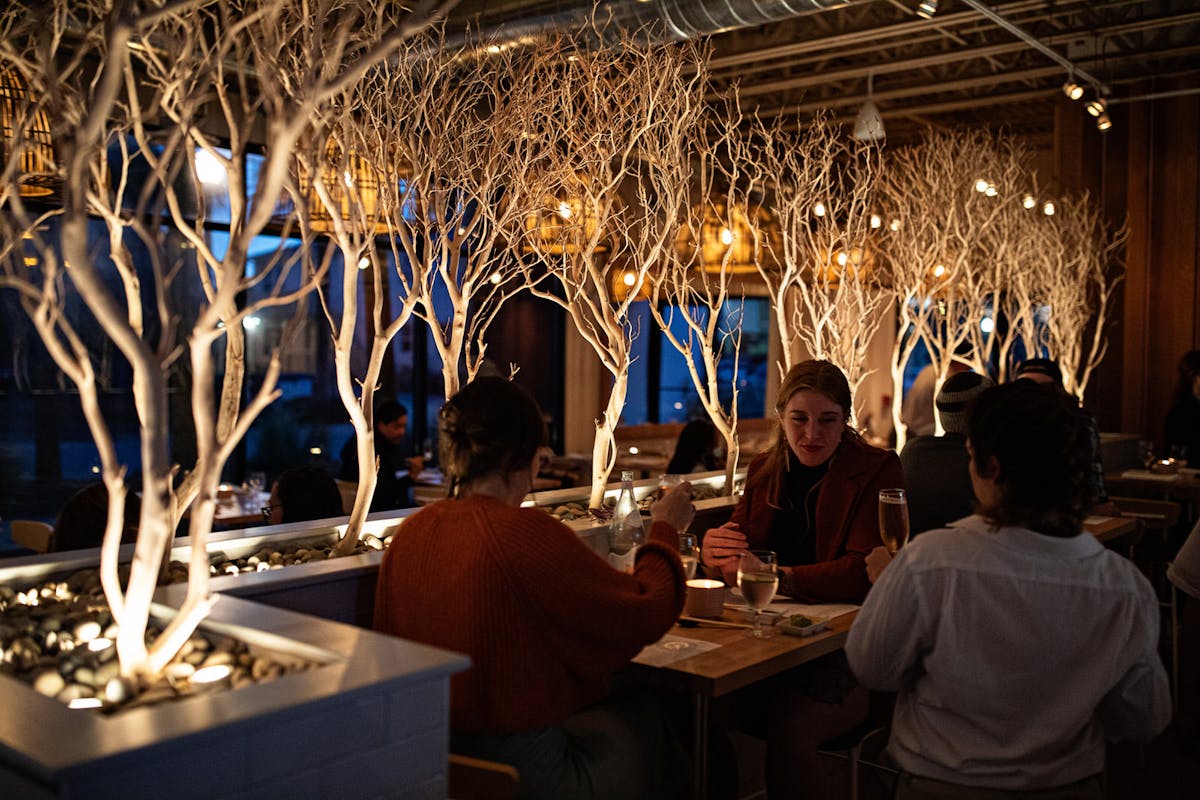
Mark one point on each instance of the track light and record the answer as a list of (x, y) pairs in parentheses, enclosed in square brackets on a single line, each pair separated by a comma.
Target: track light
[(1103, 122), (1072, 89), (1096, 107), (927, 8)]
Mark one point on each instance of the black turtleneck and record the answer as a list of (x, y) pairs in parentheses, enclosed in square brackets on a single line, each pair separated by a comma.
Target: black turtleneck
[(791, 535)]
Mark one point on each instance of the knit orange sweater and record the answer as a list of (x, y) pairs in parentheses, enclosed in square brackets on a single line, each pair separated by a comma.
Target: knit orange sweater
[(543, 619)]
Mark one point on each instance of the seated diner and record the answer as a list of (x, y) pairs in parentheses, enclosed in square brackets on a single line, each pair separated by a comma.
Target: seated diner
[(544, 619), (812, 497), (1017, 643)]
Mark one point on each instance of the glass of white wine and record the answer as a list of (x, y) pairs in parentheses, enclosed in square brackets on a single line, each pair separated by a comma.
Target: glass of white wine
[(689, 552), (758, 578), (893, 519)]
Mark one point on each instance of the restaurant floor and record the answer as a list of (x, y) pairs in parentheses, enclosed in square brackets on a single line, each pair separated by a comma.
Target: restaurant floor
[(1159, 771)]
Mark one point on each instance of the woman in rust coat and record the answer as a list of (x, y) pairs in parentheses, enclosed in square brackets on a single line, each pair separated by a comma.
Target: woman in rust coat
[(813, 498)]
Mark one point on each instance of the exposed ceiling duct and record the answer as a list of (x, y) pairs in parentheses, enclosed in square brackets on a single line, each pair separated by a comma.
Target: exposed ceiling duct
[(664, 20)]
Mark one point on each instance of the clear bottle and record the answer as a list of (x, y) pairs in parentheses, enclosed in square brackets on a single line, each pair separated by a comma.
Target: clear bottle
[(625, 532)]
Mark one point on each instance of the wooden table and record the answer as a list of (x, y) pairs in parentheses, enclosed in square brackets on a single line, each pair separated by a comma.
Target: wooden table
[(1105, 529), (737, 662), (1183, 486)]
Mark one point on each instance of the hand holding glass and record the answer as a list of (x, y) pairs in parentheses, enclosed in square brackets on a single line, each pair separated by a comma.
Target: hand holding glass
[(893, 519), (666, 482), (758, 578)]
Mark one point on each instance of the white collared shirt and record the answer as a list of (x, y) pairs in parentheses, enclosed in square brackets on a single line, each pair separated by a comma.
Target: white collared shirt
[(1015, 655)]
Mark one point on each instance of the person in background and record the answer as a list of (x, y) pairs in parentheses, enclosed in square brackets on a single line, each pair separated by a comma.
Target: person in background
[(397, 473), (544, 620), (935, 467), (1017, 643), (302, 494), (698, 449), (917, 410), (1047, 371), (1183, 419), (813, 498), (80, 523)]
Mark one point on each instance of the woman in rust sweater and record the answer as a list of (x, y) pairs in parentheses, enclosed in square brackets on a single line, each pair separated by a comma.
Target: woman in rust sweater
[(543, 618), (813, 497)]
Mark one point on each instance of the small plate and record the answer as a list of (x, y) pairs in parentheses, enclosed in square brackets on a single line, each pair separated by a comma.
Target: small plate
[(815, 625)]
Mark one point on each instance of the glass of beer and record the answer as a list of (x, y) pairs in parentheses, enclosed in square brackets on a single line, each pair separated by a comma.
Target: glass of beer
[(893, 519)]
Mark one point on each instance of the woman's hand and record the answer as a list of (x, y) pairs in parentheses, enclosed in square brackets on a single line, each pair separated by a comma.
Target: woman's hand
[(721, 549), (675, 507), (877, 561)]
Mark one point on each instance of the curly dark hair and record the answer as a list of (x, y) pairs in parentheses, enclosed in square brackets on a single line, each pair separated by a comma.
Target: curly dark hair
[(1042, 444), (491, 425)]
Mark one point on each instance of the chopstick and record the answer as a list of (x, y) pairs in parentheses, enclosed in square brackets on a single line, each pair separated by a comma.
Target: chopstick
[(713, 623)]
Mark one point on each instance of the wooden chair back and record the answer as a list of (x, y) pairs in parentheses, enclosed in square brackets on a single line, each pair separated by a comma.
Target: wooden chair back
[(32, 534)]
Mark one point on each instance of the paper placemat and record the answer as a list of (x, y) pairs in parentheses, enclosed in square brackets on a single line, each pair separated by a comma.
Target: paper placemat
[(783, 604), (672, 648)]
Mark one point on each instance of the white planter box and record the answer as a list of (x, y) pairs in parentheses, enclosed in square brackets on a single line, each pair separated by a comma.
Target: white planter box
[(371, 721)]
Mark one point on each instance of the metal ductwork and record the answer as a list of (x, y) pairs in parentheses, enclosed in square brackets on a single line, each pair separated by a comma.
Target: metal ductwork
[(662, 20)]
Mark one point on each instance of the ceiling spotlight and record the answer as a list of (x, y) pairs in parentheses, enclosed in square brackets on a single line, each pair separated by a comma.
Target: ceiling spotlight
[(1072, 89), (1103, 122), (1096, 107), (927, 8)]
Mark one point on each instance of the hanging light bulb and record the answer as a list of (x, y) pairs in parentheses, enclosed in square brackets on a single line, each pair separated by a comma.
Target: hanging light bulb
[(990, 191), (876, 221), (1096, 107), (1103, 122), (1048, 209), (981, 186), (819, 209), (927, 8), (1028, 201)]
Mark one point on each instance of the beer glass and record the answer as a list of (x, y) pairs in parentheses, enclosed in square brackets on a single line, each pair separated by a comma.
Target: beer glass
[(893, 519)]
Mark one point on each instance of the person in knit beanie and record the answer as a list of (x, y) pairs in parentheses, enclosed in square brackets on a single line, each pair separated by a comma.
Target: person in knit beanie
[(956, 393), (935, 467)]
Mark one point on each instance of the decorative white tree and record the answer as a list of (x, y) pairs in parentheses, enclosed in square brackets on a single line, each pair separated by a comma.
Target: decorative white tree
[(1076, 261), (939, 201), (822, 278), (692, 289), (277, 65), (465, 130), (612, 112)]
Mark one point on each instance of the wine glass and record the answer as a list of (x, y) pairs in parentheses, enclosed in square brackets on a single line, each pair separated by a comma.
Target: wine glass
[(893, 519), (1146, 452), (689, 553), (665, 483), (758, 578)]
